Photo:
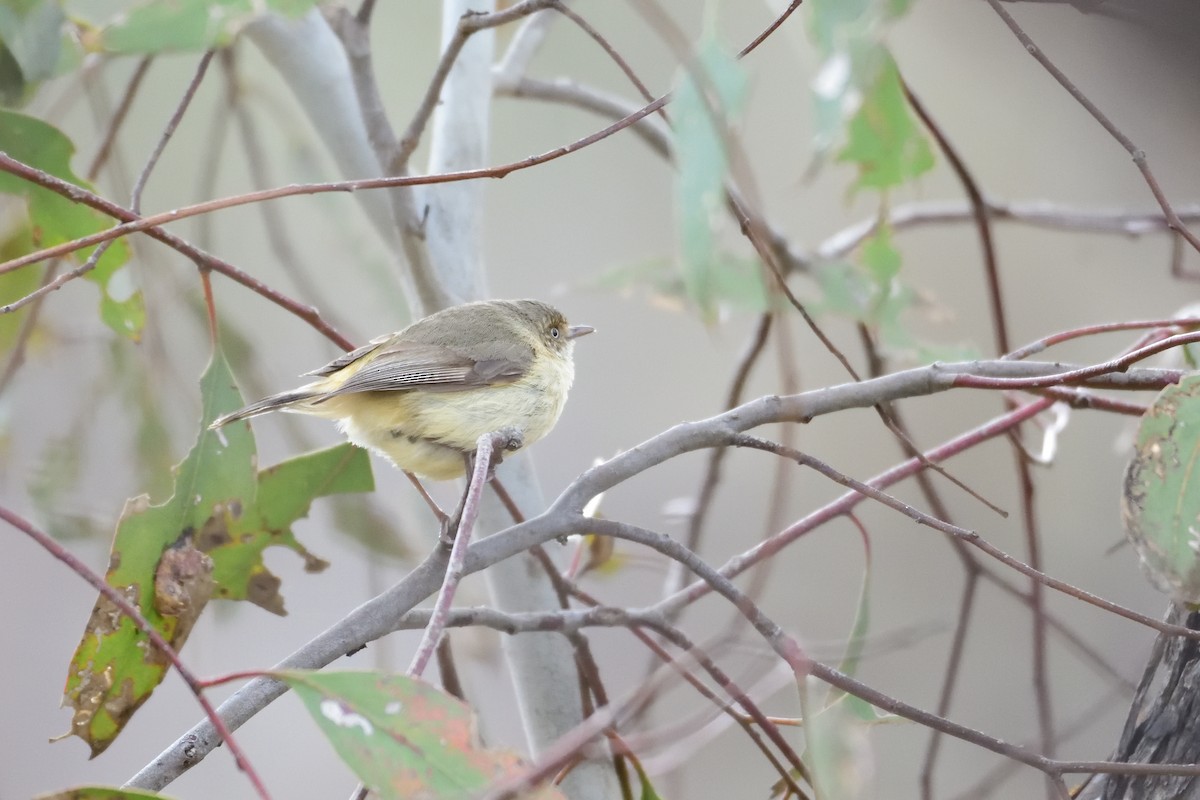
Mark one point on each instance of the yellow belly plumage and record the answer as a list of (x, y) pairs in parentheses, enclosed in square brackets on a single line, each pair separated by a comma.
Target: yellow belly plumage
[(429, 432)]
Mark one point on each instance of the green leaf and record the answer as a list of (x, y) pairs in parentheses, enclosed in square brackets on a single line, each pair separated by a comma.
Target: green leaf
[(100, 793), (884, 141), (15, 285), (159, 26), (861, 626), (403, 737), (713, 90), (880, 258), (54, 484), (851, 290), (845, 290), (54, 219), (32, 46), (859, 709), (849, 35), (1160, 502), (284, 494), (868, 294), (205, 540), (648, 791), (839, 754)]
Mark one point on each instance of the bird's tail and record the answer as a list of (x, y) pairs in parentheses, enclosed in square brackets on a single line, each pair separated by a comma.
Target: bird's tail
[(293, 400)]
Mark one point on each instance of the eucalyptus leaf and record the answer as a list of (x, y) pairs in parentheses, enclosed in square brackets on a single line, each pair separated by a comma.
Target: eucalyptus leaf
[(1160, 502), (206, 540), (31, 45), (155, 26), (405, 738), (709, 96), (56, 219), (884, 141)]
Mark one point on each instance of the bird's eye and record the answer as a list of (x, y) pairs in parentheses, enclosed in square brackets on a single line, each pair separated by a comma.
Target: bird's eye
[(554, 332)]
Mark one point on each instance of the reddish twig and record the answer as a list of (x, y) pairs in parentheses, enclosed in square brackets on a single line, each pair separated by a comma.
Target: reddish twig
[(968, 536), (131, 611), (1046, 342), (1138, 155), (607, 47), (1067, 377), (132, 224), (199, 257)]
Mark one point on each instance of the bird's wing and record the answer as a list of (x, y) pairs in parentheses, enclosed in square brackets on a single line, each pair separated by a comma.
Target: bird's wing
[(346, 359), (400, 366)]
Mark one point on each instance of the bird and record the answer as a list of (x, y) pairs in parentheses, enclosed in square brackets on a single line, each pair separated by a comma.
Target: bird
[(423, 396)]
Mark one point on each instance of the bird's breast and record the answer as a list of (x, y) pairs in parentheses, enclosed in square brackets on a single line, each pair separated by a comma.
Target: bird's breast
[(427, 432)]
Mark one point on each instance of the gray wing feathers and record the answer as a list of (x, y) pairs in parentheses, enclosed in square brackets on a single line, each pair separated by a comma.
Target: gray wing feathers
[(404, 366), (348, 358)]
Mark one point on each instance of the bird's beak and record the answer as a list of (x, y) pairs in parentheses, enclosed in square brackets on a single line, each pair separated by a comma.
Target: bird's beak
[(575, 331)]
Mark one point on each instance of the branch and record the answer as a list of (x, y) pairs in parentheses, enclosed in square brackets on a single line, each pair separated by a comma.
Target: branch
[(378, 616), (202, 259), (1138, 154), (487, 445), (135, 616)]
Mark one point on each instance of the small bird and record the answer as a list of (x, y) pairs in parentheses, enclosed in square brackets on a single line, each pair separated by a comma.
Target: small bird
[(423, 396)]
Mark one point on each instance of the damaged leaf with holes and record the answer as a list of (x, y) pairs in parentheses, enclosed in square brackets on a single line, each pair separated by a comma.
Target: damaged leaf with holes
[(205, 541), (1160, 502), (405, 738)]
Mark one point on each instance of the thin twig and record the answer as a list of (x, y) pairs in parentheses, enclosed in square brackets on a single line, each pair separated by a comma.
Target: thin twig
[(199, 257), (770, 29), (712, 470), (607, 47), (1138, 155), (485, 447), (273, 220), (354, 32), (971, 537), (991, 270), (979, 212), (150, 223), (134, 615), (1073, 376), (119, 115), (467, 25), (753, 714)]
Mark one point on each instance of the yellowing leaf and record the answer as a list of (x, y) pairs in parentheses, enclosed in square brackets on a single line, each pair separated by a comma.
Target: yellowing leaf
[(403, 737)]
